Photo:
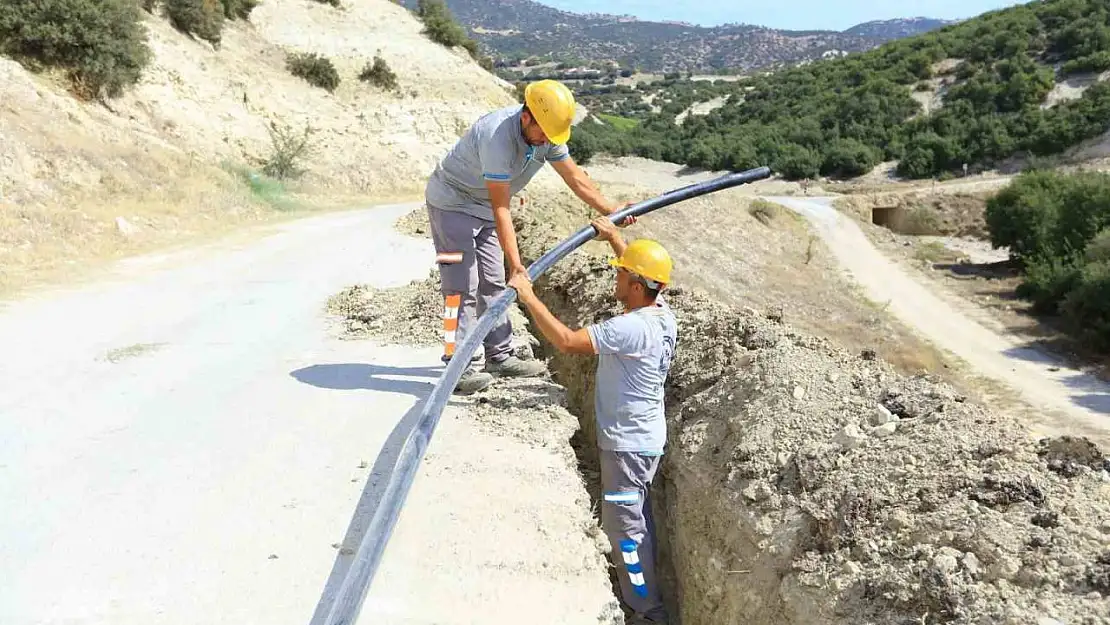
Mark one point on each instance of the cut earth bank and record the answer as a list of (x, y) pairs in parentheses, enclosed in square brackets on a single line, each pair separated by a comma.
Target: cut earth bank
[(808, 484)]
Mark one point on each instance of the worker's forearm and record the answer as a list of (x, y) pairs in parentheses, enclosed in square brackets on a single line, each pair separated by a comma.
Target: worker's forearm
[(503, 223), (618, 244), (550, 327)]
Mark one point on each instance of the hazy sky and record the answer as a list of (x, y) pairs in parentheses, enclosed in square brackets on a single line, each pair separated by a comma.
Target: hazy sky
[(791, 14)]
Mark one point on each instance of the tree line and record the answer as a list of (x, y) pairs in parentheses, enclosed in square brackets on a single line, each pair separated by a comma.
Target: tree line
[(841, 117)]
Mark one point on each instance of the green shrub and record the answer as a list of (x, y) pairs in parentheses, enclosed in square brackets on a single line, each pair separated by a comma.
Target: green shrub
[(101, 44), (440, 26), (796, 162), (289, 149), (764, 211), (583, 144), (1023, 215), (1087, 307), (202, 18), (1098, 250), (314, 68), (849, 158), (238, 9), (1047, 281), (1048, 213), (379, 74)]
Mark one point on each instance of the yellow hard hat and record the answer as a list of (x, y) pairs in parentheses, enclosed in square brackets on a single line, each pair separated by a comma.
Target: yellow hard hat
[(552, 104), (647, 259)]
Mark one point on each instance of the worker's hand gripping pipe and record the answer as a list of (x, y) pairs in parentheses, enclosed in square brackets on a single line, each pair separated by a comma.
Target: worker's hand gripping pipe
[(352, 592)]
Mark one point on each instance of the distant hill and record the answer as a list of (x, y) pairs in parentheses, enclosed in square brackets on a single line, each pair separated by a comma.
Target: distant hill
[(1031, 82), (517, 29), (888, 30)]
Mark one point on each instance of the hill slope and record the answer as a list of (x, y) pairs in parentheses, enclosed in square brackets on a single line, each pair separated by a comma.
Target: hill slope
[(523, 28), (152, 156), (999, 80)]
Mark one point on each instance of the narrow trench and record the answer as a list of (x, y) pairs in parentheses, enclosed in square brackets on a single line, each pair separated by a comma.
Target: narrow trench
[(576, 374)]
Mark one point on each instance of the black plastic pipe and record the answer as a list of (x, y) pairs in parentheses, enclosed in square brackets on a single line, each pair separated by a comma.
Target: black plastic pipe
[(348, 601)]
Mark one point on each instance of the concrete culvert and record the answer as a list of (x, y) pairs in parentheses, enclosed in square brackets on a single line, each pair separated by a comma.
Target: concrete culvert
[(804, 484)]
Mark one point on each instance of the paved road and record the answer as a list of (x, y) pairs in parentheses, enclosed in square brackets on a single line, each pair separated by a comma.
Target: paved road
[(1073, 401), (182, 443)]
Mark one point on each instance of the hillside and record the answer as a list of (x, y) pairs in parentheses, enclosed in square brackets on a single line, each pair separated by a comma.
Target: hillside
[(166, 159), (517, 29), (1023, 82)]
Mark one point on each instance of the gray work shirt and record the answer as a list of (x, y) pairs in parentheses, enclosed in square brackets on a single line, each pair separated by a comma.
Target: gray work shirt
[(634, 355), (492, 149)]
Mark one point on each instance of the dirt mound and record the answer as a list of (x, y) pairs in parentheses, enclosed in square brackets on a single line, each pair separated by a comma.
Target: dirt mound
[(414, 224), (410, 315), (805, 483)]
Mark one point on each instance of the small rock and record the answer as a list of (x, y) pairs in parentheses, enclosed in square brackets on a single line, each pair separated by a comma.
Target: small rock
[(799, 392), (882, 416), (850, 568), (1044, 620), (759, 490), (833, 377), (273, 556), (1094, 595), (884, 430), (1105, 526), (1069, 559), (868, 354), (945, 563), (971, 563), (850, 437), (124, 227), (1005, 568), (899, 520), (782, 458)]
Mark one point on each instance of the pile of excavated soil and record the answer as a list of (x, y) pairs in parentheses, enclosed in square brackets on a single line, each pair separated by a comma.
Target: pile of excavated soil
[(414, 224), (409, 315), (805, 483)]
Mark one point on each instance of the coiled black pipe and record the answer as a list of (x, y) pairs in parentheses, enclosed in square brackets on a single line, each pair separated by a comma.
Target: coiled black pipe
[(352, 592)]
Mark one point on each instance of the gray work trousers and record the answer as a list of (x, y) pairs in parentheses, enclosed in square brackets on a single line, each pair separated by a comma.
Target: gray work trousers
[(479, 278), (627, 520)]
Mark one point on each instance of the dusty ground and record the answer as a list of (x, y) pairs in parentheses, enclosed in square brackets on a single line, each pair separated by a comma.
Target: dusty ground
[(970, 271), (806, 483), (777, 265), (220, 450), (156, 157), (958, 214)]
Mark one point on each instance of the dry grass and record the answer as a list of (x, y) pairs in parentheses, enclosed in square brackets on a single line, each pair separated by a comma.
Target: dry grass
[(727, 246)]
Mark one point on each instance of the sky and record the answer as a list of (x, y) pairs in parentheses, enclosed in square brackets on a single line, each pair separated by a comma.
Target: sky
[(784, 14)]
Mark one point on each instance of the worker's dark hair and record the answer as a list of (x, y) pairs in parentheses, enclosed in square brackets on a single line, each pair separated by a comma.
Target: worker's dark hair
[(648, 291)]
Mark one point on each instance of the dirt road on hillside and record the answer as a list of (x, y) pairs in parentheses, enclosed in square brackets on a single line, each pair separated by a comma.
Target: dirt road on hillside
[(1072, 401), (184, 442)]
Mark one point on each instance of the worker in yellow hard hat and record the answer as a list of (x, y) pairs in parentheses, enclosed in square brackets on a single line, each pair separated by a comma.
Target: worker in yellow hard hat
[(634, 352), (467, 200)]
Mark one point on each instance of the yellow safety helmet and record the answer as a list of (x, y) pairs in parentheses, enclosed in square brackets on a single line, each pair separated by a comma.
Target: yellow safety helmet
[(647, 259), (552, 104)]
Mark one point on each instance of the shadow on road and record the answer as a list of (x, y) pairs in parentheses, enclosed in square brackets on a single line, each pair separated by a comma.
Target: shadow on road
[(1095, 392), (371, 497), (362, 376), (369, 377)]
